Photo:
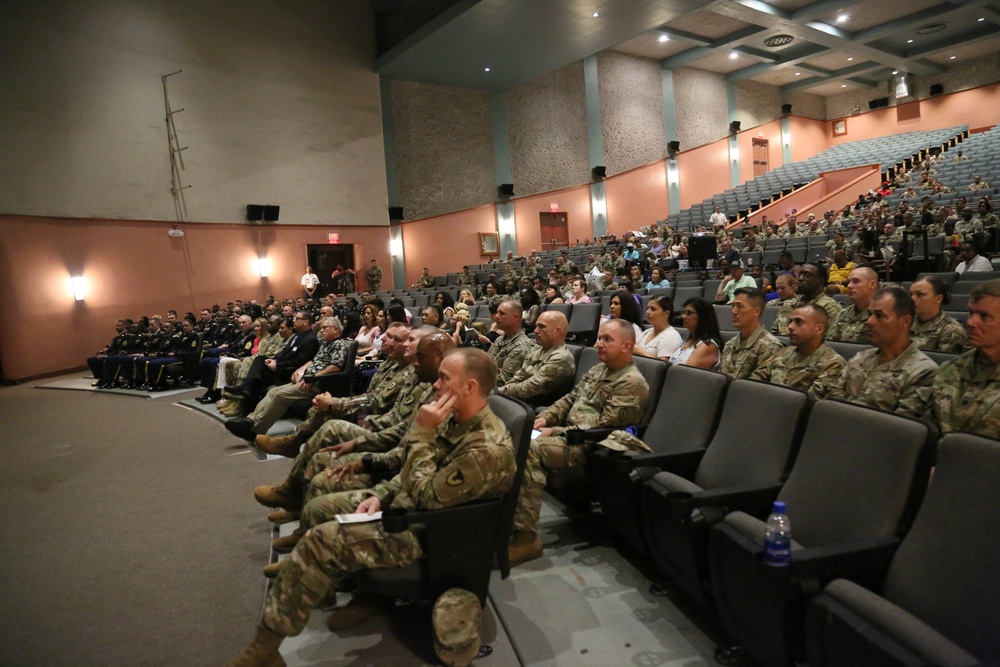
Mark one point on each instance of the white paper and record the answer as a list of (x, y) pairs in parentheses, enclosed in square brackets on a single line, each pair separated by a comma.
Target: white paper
[(535, 434), (358, 518)]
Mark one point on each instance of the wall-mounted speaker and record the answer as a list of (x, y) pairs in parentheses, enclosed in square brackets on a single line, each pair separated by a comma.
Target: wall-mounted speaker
[(734, 126), (673, 146), (255, 212), (878, 103), (786, 109), (505, 190), (271, 213), (395, 212), (937, 89), (599, 172)]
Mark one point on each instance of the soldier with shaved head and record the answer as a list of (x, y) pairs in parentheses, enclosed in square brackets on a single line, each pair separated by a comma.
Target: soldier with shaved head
[(548, 369), (851, 323)]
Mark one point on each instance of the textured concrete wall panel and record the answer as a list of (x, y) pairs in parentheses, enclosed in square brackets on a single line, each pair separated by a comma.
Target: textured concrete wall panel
[(548, 132), (807, 105), (631, 111), (757, 103), (702, 109), (444, 148)]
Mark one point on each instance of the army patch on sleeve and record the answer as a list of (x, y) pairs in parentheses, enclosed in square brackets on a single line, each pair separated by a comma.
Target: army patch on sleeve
[(455, 479)]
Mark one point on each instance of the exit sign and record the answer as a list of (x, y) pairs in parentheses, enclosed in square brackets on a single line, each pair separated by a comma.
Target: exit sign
[(333, 237)]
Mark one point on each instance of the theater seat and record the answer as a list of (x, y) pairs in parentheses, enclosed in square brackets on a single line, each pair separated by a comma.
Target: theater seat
[(743, 468), (938, 605), (852, 494)]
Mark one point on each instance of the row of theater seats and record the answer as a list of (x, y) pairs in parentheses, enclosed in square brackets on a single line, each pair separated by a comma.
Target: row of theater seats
[(853, 480)]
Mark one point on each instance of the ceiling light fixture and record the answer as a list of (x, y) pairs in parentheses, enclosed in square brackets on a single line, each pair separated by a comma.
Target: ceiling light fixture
[(596, 15), (895, 71), (486, 69), (798, 73), (663, 38), (909, 41), (951, 57), (850, 59), (843, 85), (734, 55), (842, 18), (981, 18)]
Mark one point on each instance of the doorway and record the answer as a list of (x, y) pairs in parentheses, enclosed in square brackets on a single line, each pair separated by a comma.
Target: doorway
[(554, 230), (760, 165), (324, 258)]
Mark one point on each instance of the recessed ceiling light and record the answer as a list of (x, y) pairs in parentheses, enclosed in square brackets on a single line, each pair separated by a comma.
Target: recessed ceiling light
[(909, 41), (487, 69), (895, 71), (981, 18), (596, 15), (734, 55), (842, 18), (951, 57), (850, 59), (798, 73), (664, 38), (843, 85)]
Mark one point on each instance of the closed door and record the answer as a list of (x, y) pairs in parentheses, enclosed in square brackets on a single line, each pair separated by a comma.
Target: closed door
[(759, 157), (554, 230)]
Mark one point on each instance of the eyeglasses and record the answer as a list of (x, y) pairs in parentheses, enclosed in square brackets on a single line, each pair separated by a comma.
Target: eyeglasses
[(689, 313), (299, 317)]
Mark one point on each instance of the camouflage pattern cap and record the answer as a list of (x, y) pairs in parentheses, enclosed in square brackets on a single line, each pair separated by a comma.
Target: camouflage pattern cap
[(457, 618)]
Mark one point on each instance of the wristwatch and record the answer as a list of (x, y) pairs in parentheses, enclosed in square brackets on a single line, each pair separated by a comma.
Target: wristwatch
[(366, 462)]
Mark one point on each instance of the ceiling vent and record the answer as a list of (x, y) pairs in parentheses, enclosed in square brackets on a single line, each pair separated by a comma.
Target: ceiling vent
[(931, 28), (778, 40)]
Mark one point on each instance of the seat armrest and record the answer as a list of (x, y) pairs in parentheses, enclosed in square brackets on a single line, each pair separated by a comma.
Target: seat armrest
[(733, 498), (673, 462), (590, 436), (398, 520), (868, 554)]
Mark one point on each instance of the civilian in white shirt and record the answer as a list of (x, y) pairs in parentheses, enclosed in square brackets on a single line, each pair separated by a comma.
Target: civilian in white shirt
[(718, 219), (310, 281), (662, 340), (972, 260)]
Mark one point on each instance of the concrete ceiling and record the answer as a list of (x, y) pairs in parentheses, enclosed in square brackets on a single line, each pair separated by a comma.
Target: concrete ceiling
[(520, 40)]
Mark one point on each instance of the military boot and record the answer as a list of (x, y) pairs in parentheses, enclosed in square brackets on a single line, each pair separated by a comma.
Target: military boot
[(262, 652), (285, 496), (283, 545), (271, 571), (280, 445), (361, 607), (524, 546), (283, 516)]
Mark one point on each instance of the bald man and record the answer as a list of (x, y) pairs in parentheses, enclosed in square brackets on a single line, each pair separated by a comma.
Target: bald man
[(509, 350), (809, 364), (549, 368), (850, 324)]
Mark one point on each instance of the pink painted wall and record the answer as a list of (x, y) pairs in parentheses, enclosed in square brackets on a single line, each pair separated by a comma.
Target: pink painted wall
[(637, 197), (809, 137), (133, 269), (445, 242), (703, 172), (575, 202), (770, 131), (976, 108), (832, 190)]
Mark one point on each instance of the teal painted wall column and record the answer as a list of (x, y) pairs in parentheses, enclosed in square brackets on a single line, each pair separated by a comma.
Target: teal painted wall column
[(734, 143), (595, 141), (392, 182), (670, 134), (786, 141), (506, 224)]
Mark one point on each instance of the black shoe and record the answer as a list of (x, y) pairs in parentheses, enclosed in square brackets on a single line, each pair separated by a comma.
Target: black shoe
[(205, 398), (103, 384), (241, 427), (237, 391)]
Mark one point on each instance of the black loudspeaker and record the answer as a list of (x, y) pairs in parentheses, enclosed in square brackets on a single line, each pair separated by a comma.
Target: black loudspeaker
[(937, 89), (505, 189), (674, 146), (271, 213), (599, 172), (786, 109), (395, 212), (734, 126), (255, 212), (701, 249), (878, 103)]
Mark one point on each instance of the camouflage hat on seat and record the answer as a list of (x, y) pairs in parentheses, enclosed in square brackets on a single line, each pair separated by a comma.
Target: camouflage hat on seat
[(457, 618)]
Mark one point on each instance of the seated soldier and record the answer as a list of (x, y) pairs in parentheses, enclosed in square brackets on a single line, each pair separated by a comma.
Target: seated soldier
[(895, 376), (850, 324), (331, 358), (809, 364), (239, 346), (174, 350), (458, 452), (547, 371), (754, 345), (510, 349), (613, 393)]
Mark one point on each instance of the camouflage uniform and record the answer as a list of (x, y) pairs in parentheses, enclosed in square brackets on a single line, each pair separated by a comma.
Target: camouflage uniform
[(968, 230), (509, 355), (543, 372), (269, 346), (780, 325), (448, 466), (603, 398), (849, 325), (967, 396), (374, 277), (901, 386), (740, 357), (457, 618), (816, 374), (425, 281), (938, 334)]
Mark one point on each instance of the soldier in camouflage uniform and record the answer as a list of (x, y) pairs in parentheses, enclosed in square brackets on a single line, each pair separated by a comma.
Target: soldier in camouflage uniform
[(393, 378), (425, 280), (809, 286), (809, 364), (459, 452), (343, 437), (374, 277), (850, 323), (895, 376), (967, 389), (933, 330), (509, 350), (549, 368), (613, 393), (754, 345), (785, 285)]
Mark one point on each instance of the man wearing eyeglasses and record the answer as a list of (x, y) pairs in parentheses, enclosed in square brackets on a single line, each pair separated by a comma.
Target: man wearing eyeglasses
[(331, 358)]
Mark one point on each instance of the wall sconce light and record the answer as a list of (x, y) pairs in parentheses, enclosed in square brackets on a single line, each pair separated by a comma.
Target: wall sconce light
[(263, 266), (396, 247), (600, 207), (78, 284), (786, 138), (734, 154)]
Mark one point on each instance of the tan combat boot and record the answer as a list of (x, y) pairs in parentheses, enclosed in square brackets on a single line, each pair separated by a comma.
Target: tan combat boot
[(280, 445), (271, 571), (283, 545), (262, 652), (524, 547), (284, 496), (361, 607), (283, 516)]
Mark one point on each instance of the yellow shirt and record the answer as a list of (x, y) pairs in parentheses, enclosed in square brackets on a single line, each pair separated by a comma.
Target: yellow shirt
[(839, 275)]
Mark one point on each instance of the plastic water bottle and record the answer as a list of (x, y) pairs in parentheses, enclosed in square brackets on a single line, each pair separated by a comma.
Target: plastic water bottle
[(778, 537)]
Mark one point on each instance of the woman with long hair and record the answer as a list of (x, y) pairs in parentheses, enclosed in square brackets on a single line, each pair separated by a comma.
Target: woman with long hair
[(531, 307), (662, 340), (657, 279), (623, 307), (369, 330), (704, 343), (552, 294)]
